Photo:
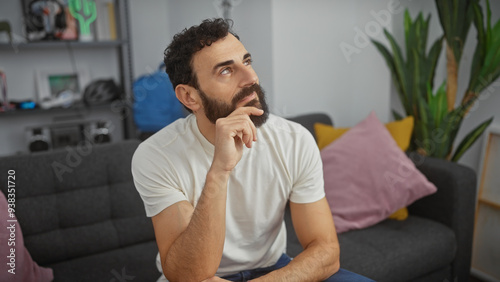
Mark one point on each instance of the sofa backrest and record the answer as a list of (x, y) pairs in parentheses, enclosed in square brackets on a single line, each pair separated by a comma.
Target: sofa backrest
[(77, 201), (308, 120)]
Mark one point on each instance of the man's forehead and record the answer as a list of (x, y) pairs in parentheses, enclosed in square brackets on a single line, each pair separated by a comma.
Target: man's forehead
[(227, 48)]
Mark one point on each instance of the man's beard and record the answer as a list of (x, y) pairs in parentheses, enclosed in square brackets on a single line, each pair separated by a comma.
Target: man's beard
[(215, 109)]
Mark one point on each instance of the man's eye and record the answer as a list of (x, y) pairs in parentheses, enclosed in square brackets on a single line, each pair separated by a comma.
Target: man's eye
[(248, 62), (225, 71)]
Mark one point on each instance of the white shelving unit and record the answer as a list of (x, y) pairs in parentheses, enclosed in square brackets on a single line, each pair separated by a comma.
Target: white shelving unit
[(105, 59)]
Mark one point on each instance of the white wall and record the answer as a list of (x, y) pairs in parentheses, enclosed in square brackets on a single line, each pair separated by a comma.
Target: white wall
[(252, 22), (312, 73), (149, 32), (487, 105), (296, 51)]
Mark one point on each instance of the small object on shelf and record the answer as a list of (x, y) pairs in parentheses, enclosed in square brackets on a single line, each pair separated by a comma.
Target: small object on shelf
[(5, 26), (65, 99), (71, 30), (38, 139), (100, 92), (5, 106), (85, 12), (22, 105), (60, 87), (100, 132), (27, 105), (44, 19), (106, 21)]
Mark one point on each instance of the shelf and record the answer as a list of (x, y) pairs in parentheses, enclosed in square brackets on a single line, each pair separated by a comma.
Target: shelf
[(75, 109), (20, 55), (61, 44)]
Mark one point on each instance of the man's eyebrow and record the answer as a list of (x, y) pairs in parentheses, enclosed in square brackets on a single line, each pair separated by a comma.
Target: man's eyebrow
[(229, 62), (225, 63)]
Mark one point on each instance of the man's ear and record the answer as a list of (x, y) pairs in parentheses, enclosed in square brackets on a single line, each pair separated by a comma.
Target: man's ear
[(188, 96)]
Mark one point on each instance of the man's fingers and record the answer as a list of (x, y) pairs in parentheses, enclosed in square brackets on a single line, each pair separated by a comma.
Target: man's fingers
[(248, 111), (241, 125), (243, 128)]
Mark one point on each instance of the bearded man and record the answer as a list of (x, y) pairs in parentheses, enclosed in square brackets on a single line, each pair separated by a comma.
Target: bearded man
[(216, 183)]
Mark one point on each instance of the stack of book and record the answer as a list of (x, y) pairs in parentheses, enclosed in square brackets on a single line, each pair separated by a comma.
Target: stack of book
[(105, 23)]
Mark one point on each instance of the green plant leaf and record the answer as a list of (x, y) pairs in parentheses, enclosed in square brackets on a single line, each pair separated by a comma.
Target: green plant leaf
[(401, 72), (438, 104), (470, 139), (447, 130), (441, 104), (480, 51), (395, 76), (488, 21), (455, 17), (416, 79), (432, 59), (424, 114), (486, 60), (407, 26), (396, 115), (398, 63)]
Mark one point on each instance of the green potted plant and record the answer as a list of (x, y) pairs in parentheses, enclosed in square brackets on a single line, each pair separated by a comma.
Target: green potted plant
[(437, 117)]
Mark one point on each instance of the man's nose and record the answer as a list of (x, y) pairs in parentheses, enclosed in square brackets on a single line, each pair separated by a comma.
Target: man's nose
[(249, 77)]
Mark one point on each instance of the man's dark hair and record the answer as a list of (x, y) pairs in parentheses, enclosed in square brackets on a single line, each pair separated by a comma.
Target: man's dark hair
[(178, 56)]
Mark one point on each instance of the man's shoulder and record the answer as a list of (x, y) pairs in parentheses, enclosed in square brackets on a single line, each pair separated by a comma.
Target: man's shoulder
[(181, 128), (167, 139)]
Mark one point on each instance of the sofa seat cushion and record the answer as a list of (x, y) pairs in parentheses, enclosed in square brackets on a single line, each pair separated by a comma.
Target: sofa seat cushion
[(136, 262), (398, 250)]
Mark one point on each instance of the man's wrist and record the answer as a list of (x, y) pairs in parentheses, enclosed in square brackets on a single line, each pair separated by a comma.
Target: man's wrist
[(218, 173), (218, 176)]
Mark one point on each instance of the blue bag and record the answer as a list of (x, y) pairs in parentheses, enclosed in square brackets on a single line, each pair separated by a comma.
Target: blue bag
[(155, 103)]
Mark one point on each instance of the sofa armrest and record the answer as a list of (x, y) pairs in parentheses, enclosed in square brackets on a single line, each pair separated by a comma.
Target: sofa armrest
[(452, 205)]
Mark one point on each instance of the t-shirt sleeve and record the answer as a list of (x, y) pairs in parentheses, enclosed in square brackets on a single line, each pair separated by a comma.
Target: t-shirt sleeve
[(308, 184), (155, 180)]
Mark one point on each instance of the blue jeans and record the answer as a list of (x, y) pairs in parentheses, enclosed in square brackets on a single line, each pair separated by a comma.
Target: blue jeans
[(341, 276)]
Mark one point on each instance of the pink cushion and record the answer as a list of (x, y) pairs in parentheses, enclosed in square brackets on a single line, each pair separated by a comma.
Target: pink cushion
[(368, 177), (26, 270)]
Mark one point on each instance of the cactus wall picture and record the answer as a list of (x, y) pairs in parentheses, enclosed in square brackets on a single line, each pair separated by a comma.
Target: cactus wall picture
[(84, 11)]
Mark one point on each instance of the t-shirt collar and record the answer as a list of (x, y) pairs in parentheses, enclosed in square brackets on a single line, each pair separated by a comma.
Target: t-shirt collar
[(207, 146)]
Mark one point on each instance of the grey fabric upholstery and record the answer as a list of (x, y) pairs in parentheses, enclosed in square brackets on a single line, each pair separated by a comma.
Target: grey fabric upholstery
[(398, 250), (433, 244), (132, 263), (85, 217), (453, 205), (309, 120)]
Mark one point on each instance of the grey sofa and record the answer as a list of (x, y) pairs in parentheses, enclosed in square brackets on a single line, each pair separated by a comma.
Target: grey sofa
[(81, 216), (433, 244)]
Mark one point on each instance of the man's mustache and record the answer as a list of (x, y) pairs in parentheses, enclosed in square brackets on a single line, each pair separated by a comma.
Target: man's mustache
[(245, 92)]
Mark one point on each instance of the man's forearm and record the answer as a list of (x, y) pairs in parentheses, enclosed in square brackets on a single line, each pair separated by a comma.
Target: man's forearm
[(316, 263), (198, 250)]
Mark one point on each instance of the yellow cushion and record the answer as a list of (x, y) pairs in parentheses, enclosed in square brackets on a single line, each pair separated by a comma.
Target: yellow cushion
[(400, 130), (400, 214)]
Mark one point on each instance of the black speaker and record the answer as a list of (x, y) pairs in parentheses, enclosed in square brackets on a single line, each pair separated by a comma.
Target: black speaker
[(100, 132), (38, 139)]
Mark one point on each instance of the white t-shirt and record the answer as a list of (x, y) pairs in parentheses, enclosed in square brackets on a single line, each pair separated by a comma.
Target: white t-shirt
[(284, 164)]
